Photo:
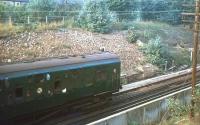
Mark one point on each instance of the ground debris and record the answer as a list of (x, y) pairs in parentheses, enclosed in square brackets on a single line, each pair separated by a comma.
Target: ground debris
[(31, 46)]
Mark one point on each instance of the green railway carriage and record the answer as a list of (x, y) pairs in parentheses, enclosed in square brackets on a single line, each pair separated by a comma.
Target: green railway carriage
[(30, 87)]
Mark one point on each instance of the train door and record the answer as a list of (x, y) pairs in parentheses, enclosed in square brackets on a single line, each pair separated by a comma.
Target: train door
[(101, 79), (115, 71)]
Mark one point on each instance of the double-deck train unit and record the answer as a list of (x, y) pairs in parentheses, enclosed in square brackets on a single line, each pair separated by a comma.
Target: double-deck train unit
[(34, 86)]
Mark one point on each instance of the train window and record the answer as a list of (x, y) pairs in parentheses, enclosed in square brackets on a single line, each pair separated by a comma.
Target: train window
[(101, 76), (57, 85), (19, 92)]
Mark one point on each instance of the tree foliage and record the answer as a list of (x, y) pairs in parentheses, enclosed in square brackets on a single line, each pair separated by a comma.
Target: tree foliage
[(18, 13), (95, 16), (121, 7), (155, 52)]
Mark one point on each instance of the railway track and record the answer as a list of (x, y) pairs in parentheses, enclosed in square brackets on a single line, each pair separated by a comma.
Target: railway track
[(87, 118), (127, 98)]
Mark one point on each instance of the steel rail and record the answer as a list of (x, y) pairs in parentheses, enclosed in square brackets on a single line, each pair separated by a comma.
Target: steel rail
[(180, 77), (144, 98)]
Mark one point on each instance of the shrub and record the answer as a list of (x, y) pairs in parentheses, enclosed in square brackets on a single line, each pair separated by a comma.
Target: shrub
[(177, 109), (132, 35), (155, 52), (95, 17)]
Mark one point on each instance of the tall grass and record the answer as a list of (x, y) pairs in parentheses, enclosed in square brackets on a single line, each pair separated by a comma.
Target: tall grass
[(9, 29)]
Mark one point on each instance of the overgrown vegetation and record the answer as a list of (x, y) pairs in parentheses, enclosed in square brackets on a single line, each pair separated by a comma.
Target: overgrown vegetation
[(177, 109), (155, 52), (179, 112), (95, 17), (132, 36), (37, 15)]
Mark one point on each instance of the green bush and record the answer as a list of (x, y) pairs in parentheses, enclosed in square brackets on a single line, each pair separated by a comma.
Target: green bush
[(177, 109), (155, 52), (132, 36), (95, 16)]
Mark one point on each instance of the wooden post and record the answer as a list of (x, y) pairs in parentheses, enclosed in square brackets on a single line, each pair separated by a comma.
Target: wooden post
[(194, 56)]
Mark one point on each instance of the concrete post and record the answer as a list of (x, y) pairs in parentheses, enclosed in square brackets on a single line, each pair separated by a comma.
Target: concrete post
[(46, 19), (28, 20)]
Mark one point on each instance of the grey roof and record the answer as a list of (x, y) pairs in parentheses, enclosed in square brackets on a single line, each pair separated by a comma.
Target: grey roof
[(56, 62)]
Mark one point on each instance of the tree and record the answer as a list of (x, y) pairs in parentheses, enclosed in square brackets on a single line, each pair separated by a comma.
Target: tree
[(121, 7), (41, 8), (2, 11), (95, 16)]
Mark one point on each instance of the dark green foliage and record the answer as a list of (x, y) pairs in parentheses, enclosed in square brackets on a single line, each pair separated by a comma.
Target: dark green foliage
[(95, 16), (41, 5), (17, 13), (2, 9), (160, 10), (122, 8), (170, 10), (41, 8)]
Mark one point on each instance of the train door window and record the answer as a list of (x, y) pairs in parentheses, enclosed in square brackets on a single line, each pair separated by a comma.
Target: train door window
[(101, 75), (19, 92)]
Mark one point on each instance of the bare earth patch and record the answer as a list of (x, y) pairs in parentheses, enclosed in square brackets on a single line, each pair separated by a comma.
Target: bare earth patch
[(32, 46)]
